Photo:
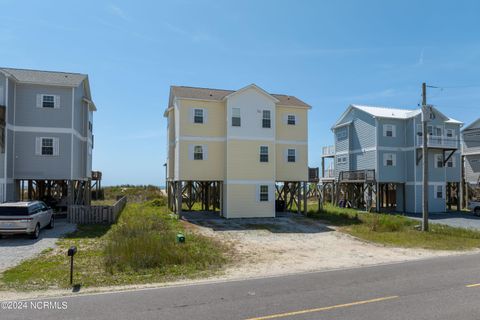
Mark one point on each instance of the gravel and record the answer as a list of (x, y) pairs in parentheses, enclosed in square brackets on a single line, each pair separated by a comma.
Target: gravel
[(14, 249)]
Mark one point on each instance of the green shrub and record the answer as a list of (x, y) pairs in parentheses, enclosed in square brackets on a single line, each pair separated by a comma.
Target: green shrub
[(145, 238)]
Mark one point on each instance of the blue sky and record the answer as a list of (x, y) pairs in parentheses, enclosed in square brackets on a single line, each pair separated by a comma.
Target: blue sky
[(327, 53)]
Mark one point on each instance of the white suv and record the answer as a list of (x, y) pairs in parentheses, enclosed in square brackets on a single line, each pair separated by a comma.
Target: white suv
[(25, 217), (474, 206)]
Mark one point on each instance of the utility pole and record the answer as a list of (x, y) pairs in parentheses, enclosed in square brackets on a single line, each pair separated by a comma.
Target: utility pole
[(425, 159)]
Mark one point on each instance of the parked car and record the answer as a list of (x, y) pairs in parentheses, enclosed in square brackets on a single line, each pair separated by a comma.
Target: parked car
[(474, 206), (25, 217)]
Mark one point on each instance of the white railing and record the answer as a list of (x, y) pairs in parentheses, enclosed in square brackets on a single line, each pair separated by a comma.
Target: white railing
[(329, 174), (439, 141), (328, 151)]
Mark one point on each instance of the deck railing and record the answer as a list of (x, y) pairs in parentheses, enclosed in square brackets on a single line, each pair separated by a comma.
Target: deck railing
[(438, 141), (328, 151), (357, 175)]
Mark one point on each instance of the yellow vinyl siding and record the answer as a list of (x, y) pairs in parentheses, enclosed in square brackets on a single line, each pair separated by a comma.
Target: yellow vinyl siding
[(242, 202), (211, 168), (292, 171), (298, 132), (215, 125), (243, 158), (171, 145)]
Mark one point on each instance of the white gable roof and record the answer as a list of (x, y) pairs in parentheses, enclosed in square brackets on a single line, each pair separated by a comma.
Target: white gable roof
[(385, 112), (393, 113)]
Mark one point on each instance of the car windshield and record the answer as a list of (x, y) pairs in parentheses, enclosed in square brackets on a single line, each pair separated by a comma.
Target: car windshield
[(13, 211)]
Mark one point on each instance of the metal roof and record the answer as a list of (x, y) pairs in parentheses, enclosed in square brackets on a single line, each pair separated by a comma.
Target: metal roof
[(46, 77)]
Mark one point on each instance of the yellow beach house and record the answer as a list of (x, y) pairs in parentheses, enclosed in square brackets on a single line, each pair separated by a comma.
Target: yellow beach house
[(241, 152)]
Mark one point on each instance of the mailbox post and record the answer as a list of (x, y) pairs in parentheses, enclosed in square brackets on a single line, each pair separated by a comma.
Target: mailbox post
[(71, 252)]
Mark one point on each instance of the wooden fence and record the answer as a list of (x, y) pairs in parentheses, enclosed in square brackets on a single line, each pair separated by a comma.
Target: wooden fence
[(96, 214)]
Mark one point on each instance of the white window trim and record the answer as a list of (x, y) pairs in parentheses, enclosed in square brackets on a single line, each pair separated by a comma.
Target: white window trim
[(269, 118), (286, 155), (453, 161), (56, 101), (435, 190), (191, 151), (294, 120), (204, 115), (267, 154), (436, 158), (239, 116), (260, 193), (394, 159), (39, 145), (386, 128)]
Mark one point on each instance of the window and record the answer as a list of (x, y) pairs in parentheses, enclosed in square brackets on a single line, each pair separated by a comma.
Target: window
[(341, 160), (291, 119), (236, 120), (389, 130), (449, 133), (48, 101), (198, 116), (263, 193), (291, 155), (90, 126), (263, 154), (198, 153), (451, 162), (389, 159), (47, 146), (439, 192), (266, 121), (438, 131), (438, 161)]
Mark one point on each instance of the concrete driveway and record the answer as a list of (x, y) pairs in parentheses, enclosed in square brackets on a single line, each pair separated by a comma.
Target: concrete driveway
[(14, 249), (454, 219)]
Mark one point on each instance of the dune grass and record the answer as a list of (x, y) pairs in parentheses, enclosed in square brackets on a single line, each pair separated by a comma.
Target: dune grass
[(397, 230), (140, 248)]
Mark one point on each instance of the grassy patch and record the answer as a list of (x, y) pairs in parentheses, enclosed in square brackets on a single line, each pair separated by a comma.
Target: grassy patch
[(140, 248), (397, 230), (134, 193)]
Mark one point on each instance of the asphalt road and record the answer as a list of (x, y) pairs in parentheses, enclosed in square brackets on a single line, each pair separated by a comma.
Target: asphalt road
[(439, 288), (453, 219)]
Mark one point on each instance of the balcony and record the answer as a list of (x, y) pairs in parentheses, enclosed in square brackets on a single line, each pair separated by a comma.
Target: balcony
[(440, 142), (329, 174), (328, 151), (357, 176)]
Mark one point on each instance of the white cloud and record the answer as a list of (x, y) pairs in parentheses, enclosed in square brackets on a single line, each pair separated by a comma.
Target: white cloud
[(118, 12)]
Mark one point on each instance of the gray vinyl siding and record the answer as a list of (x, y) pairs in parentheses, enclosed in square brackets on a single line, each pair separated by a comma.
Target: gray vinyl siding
[(362, 131), (2, 89), (27, 113), (362, 160), (398, 140), (472, 168), (454, 174), (343, 144), (394, 174), (28, 165)]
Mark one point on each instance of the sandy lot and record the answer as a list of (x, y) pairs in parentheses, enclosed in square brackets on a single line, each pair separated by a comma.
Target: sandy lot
[(266, 247), (274, 247)]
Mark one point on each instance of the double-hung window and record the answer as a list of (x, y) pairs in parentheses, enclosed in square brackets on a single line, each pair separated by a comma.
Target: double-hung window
[(198, 153), (389, 159), (48, 101), (342, 160), (47, 146), (341, 134), (266, 119), (291, 155), (263, 153), (389, 130), (439, 192), (449, 133), (236, 119), (438, 161), (451, 162), (263, 193), (291, 119), (198, 116)]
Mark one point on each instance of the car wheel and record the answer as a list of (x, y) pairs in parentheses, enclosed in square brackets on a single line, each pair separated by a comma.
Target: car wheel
[(36, 232), (52, 223), (477, 211)]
